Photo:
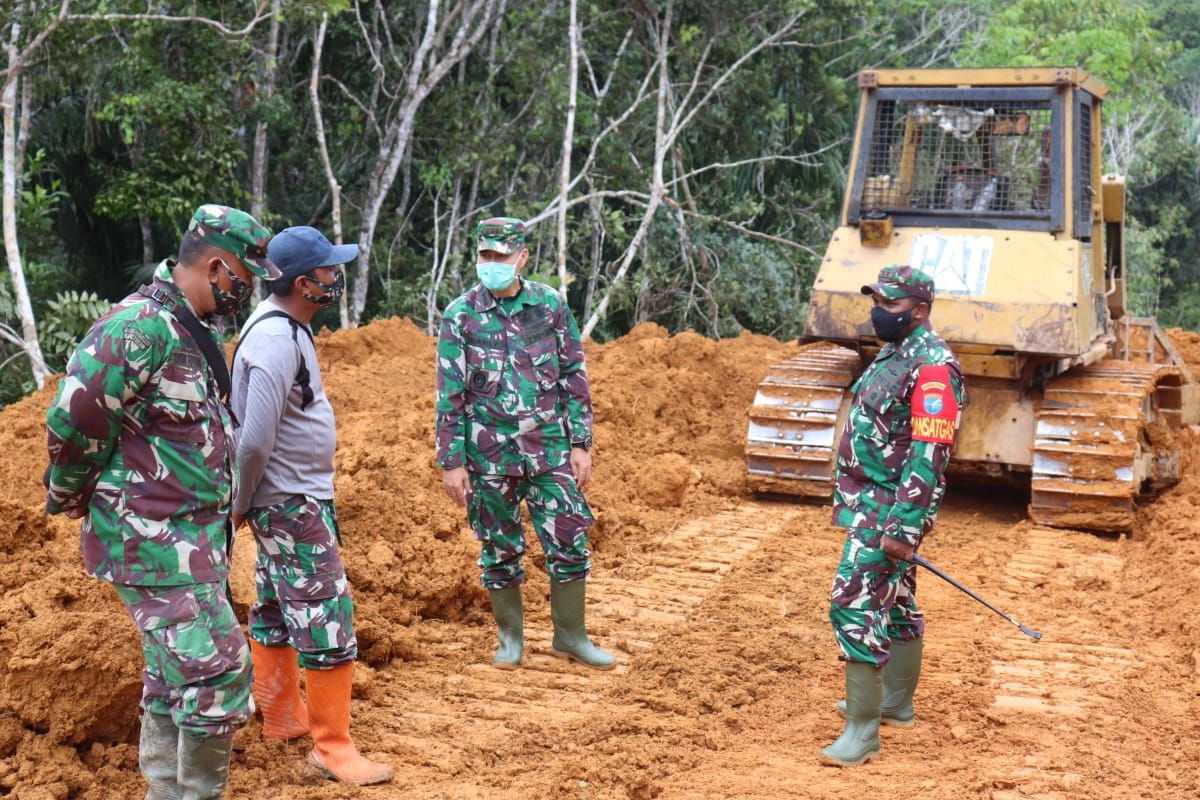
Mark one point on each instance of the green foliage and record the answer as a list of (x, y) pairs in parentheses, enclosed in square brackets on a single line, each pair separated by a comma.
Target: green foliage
[(137, 123), (67, 318)]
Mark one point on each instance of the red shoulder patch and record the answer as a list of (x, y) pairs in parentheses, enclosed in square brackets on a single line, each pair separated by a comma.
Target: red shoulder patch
[(934, 409)]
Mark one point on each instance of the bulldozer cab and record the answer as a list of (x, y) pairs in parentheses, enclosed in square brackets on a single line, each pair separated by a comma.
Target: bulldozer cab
[(989, 180)]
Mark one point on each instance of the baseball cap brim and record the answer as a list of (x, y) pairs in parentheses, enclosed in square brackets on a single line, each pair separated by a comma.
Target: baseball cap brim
[(496, 245), (890, 292), (339, 254)]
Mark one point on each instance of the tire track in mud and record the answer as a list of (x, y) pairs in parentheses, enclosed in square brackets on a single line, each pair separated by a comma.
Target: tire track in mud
[(628, 609), (1059, 688)]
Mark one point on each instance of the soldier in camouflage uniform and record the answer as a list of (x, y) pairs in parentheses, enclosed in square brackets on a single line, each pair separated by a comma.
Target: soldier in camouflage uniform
[(141, 448), (286, 443), (514, 422), (890, 480)]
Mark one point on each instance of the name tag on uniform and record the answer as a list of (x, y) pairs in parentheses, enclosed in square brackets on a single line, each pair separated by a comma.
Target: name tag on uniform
[(535, 324), (934, 408), (186, 359)]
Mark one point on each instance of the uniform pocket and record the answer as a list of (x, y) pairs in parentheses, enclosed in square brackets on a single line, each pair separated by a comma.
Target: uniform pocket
[(169, 607), (177, 412)]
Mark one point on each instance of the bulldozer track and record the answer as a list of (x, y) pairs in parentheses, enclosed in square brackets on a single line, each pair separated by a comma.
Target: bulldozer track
[(797, 415), (1091, 454), (628, 609), (1063, 684)]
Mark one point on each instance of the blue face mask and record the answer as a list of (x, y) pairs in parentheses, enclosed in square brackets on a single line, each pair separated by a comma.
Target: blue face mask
[(496, 275)]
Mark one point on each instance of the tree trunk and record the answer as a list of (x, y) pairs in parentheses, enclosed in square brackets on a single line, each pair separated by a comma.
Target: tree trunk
[(8, 100), (335, 188), (267, 70), (564, 179)]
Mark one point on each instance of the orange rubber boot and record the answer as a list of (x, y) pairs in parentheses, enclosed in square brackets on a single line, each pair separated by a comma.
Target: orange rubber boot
[(277, 692), (333, 750)]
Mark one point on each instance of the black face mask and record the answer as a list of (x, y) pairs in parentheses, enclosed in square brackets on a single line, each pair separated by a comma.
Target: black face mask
[(230, 302), (890, 327)]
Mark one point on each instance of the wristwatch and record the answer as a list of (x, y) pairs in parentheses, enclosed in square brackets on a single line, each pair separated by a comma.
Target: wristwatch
[(583, 444)]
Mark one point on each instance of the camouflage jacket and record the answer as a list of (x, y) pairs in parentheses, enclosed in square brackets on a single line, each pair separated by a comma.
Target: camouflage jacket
[(138, 437), (512, 389), (898, 436)]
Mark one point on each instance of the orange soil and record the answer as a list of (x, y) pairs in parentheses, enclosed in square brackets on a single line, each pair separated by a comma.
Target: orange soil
[(715, 605)]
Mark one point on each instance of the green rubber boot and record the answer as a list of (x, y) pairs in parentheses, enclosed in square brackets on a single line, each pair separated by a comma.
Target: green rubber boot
[(899, 684), (859, 741), (570, 633), (510, 622), (158, 756), (204, 767)]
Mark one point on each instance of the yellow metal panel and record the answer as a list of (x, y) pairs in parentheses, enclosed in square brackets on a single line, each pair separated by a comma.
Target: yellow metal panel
[(1112, 189), (997, 424), (1027, 303), (1002, 76)]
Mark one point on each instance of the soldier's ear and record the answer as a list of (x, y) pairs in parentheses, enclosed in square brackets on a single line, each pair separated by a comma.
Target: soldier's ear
[(921, 311)]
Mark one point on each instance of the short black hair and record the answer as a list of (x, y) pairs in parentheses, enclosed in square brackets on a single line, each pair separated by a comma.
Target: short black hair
[(282, 287), (193, 248)]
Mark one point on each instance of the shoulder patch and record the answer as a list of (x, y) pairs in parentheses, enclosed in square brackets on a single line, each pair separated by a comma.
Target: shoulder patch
[(135, 338), (935, 411)]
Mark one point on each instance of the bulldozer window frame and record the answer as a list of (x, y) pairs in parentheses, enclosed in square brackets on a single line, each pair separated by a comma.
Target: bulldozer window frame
[(1011, 102)]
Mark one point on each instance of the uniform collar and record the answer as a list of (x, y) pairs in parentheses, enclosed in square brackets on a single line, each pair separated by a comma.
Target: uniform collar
[(915, 341), (483, 300), (164, 278)]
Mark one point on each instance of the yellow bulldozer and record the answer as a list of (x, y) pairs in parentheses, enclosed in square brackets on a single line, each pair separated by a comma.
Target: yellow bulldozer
[(990, 181)]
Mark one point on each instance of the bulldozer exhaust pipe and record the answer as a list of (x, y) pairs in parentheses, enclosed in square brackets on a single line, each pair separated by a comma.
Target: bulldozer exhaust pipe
[(921, 562)]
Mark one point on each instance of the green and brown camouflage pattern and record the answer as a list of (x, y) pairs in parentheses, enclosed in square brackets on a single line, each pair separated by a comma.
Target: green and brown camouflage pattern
[(138, 438), (504, 235), (303, 595), (512, 388), (873, 601), (560, 515), (896, 281), (239, 233), (885, 479), (197, 661)]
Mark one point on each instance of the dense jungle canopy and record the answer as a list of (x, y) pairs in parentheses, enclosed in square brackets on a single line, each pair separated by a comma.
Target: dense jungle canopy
[(705, 142)]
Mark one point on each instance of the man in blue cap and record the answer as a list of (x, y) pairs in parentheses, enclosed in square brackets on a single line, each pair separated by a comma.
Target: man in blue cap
[(285, 460)]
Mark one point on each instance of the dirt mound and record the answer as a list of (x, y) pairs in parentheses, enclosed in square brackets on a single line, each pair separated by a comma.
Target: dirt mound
[(670, 414), (744, 674)]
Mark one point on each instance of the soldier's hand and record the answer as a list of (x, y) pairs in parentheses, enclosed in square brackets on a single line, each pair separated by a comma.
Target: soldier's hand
[(897, 548), (456, 483), (581, 465), (77, 513)]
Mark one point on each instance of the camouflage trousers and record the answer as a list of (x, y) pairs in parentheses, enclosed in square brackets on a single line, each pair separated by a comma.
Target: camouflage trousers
[(560, 516), (303, 595), (197, 662), (873, 601)]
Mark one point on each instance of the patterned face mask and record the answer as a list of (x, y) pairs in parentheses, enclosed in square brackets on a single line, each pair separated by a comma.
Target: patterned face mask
[(332, 290), (229, 302)]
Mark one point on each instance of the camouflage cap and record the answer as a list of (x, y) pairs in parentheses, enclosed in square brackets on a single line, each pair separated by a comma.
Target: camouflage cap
[(239, 233), (896, 281), (501, 234)]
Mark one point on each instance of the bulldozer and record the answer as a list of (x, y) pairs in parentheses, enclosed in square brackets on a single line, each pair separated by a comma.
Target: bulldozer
[(990, 180)]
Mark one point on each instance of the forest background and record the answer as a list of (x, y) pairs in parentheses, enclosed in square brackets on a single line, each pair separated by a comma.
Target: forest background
[(681, 161)]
